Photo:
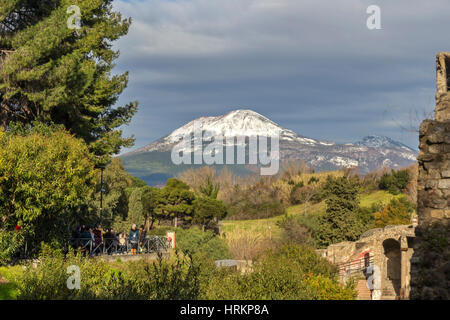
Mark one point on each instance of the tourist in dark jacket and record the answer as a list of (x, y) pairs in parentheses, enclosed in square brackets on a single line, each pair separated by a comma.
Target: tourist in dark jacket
[(76, 235), (85, 237), (133, 237)]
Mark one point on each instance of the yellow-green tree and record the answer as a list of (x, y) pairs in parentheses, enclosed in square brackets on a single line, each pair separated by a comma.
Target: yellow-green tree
[(398, 211), (45, 175)]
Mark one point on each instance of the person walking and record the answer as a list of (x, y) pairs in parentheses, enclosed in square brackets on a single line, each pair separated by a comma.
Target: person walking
[(133, 237), (142, 235)]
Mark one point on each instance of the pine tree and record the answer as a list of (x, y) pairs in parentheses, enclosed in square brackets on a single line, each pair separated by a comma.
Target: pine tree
[(340, 221), (52, 73)]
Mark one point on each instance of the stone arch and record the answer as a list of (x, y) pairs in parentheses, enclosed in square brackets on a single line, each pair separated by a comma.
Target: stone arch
[(391, 273)]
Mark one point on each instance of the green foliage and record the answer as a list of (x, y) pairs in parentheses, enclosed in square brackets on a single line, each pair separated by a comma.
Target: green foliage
[(209, 189), (398, 211), (45, 176), (257, 201), (196, 242), (10, 244), (116, 181), (151, 198), (51, 73), (366, 215), (176, 201), (295, 231), (313, 180), (292, 272), (395, 182), (160, 280), (208, 211), (340, 222), (137, 183), (142, 202)]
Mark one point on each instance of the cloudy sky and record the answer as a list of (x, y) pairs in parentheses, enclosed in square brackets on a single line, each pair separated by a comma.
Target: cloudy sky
[(312, 66)]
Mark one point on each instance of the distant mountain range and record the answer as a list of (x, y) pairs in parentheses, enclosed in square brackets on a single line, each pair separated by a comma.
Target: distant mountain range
[(153, 163)]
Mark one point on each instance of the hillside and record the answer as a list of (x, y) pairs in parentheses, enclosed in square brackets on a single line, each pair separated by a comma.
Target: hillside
[(267, 228)]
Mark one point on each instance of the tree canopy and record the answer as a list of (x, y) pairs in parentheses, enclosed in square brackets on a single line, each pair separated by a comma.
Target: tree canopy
[(55, 74), (340, 222), (45, 175)]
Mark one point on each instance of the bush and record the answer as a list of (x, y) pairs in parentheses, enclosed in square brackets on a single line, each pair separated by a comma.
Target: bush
[(10, 244), (258, 201), (395, 182), (293, 272), (398, 211), (161, 280), (194, 241), (295, 231), (46, 175)]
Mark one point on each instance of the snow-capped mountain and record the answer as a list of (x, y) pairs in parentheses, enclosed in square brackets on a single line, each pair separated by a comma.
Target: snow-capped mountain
[(381, 142), (368, 154), (238, 123)]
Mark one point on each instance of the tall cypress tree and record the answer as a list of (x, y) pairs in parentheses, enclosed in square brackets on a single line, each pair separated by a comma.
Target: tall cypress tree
[(340, 221), (52, 73)]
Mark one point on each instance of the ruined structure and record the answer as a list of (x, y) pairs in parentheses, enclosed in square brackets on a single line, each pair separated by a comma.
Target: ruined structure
[(434, 155), (379, 261), (430, 264), (411, 261)]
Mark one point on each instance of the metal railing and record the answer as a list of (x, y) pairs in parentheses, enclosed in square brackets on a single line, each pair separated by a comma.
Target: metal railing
[(354, 267), (108, 246)]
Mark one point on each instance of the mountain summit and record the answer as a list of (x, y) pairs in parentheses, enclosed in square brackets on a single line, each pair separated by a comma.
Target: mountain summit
[(153, 160), (237, 123), (381, 142)]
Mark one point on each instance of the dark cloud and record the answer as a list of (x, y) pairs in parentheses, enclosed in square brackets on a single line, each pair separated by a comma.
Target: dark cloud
[(312, 66)]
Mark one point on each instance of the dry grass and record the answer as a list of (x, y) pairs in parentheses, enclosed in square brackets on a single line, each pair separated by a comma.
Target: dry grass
[(247, 246)]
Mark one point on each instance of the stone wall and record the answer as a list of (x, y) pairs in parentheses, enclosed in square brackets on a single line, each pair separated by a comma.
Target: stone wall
[(383, 254), (430, 264), (434, 171)]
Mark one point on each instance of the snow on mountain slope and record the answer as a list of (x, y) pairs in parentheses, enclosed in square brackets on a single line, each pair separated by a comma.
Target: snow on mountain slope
[(370, 153), (238, 123)]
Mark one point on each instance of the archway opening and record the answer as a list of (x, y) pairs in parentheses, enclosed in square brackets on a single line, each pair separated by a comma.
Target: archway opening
[(392, 272)]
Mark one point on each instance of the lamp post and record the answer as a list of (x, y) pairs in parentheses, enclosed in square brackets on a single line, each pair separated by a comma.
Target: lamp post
[(102, 168)]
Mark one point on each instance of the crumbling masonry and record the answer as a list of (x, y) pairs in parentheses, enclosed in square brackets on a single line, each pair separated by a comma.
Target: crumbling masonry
[(430, 264), (411, 261)]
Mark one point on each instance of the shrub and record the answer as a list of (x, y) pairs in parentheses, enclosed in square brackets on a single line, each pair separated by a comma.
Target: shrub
[(46, 174), (395, 182), (158, 280), (194, 241), (260, 200), (295, 231), (10, 244), (398, 211), (293, 272)]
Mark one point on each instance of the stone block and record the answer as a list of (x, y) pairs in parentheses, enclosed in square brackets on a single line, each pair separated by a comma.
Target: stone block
[(444, 184), (431, 184), (435, 148)]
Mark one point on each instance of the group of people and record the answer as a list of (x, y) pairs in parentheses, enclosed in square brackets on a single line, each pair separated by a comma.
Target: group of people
[(95, 240)]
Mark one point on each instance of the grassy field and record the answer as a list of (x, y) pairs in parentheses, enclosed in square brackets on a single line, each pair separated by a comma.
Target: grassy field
[(267, 228)]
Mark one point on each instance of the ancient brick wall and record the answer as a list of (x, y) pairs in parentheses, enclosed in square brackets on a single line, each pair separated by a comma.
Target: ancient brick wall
[(434, 171), (430, 265)]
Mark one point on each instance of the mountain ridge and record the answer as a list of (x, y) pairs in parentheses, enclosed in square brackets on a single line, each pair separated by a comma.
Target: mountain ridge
[(371, 152)]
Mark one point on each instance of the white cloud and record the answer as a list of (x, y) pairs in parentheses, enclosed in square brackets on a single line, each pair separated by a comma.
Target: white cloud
[(290, 59)]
